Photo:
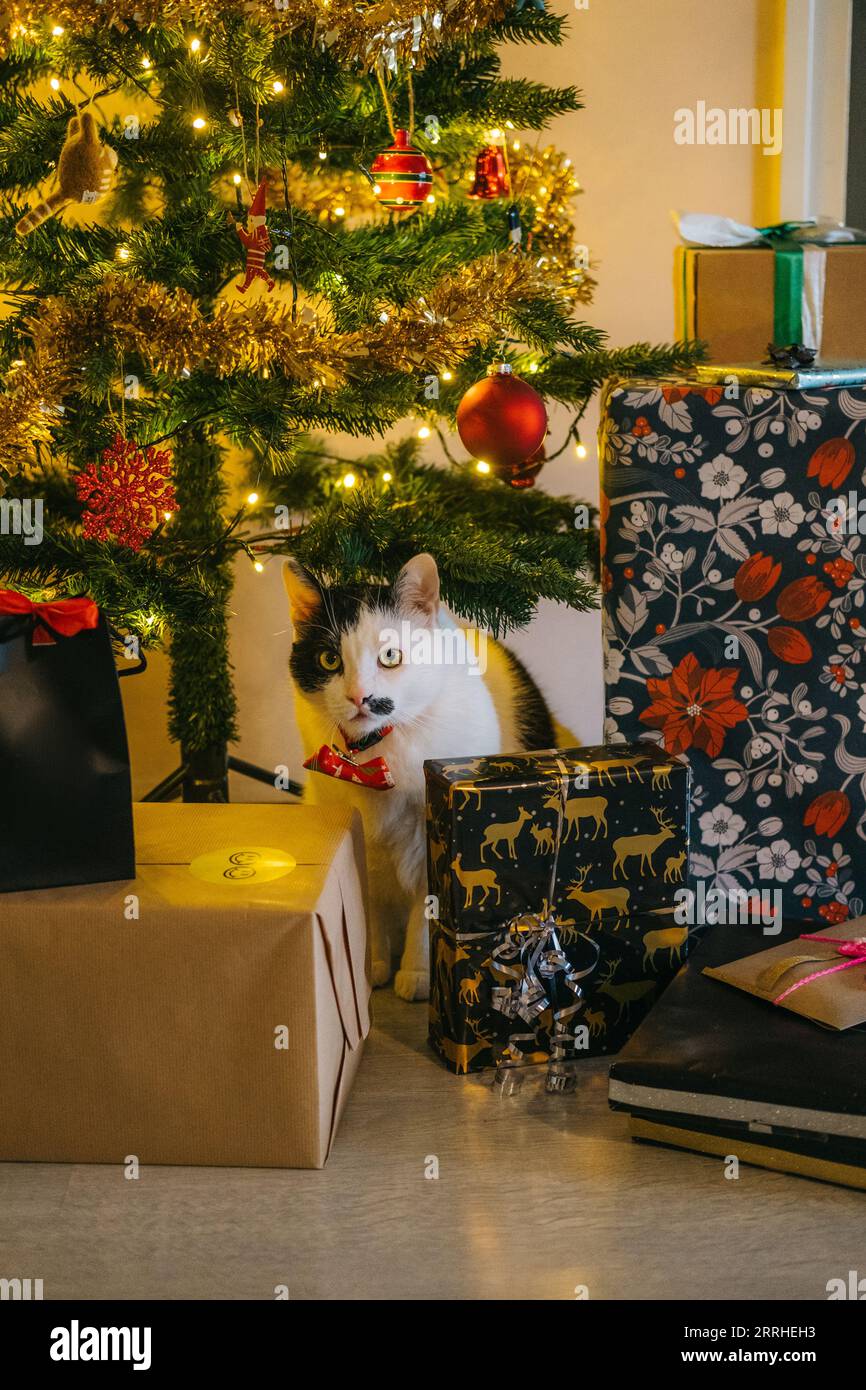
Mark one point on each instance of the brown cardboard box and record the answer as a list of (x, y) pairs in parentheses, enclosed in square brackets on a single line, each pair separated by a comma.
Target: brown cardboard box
[(725, 297), (156, 1036)]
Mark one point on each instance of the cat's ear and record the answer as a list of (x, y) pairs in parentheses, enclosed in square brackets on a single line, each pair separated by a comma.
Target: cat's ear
[(417, 588), (305, 596)]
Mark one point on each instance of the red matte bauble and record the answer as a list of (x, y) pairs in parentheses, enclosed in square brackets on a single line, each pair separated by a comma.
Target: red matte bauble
[(501, 419), (524, 474)]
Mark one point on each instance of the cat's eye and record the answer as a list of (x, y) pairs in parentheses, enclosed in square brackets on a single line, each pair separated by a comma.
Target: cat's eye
[(391, 656), (328, 660)]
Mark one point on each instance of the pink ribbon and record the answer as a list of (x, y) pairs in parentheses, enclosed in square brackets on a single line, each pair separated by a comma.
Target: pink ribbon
[(856, 949)]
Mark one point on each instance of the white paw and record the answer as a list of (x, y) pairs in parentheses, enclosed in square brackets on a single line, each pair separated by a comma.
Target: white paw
[(380, 972), (412, 984)]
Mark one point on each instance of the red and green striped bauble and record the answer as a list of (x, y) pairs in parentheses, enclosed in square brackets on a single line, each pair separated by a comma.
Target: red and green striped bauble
[(402, 174)]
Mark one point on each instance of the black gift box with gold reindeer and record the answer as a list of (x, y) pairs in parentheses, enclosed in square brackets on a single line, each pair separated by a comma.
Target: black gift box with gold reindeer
[(552, 880)]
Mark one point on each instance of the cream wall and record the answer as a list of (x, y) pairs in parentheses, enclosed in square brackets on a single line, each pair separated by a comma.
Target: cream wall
[(636, 62)]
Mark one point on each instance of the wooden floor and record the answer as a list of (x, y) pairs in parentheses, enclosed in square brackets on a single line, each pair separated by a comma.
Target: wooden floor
[(536, 1195)]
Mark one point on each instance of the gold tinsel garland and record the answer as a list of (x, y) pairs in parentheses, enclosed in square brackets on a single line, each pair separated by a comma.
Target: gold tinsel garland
[(167, 329), (366, 33)]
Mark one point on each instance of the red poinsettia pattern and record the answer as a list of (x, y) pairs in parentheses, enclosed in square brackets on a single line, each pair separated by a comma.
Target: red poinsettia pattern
[(734, 624), (694, 708)]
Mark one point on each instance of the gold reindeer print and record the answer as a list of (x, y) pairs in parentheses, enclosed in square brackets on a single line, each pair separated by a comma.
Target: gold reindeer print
[(437, 849), (545, 842), (461, 1054), (671, 939), (661, 779), (507, 831), (467, 793), (629, 764), (580, 808), (642, 847), (470, 879), (600, 898), (623, 995), (674, 867), (595, 1019), (567, 929), (468, 991), (446, 958)]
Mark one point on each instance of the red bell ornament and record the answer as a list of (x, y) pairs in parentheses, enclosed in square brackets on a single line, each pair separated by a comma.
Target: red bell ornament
[(501, 419), (402, 174), (491, 175)]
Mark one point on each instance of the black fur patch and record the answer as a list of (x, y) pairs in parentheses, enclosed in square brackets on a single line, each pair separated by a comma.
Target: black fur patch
[(337, 613), (533, 718)]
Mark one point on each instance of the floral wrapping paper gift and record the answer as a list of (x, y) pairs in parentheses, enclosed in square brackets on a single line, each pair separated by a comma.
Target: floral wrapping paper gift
[(733, 576)]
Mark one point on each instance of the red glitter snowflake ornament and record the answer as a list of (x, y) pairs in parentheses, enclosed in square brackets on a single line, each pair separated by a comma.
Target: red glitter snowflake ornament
[(126, 493)]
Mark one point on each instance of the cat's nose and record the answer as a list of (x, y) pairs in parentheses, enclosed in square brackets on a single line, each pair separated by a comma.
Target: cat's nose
[(357, 699)]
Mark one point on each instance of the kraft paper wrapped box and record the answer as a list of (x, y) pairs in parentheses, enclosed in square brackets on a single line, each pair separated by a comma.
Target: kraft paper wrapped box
[(734, 612), (732, 300), (215, 1017), (592, 840)]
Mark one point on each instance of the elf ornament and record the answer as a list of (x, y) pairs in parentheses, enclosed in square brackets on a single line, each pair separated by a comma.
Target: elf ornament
[(502, 420), (402, 174), (257, 242), (85, 172)]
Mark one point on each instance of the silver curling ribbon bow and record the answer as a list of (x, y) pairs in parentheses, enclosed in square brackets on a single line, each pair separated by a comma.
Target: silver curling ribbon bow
[(538, 975)]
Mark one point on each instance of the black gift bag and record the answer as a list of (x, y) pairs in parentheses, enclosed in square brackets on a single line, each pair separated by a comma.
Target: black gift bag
[(65, 791)]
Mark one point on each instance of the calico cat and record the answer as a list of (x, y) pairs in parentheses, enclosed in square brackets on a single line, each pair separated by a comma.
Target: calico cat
[(357, 673)]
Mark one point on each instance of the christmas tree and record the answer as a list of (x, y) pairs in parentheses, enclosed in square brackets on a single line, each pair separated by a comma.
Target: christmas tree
[(206, 257)]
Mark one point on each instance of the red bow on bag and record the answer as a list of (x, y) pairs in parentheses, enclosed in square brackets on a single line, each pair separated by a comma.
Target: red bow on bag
[(65, 616), (374, 774)]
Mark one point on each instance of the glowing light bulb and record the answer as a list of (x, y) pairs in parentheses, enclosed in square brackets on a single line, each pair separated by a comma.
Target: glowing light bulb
[(447, 376), (278, 86), (252, 499), (194, 45), (533, 366), (386, 477), (349, 480), (323, 154), (377, 188), (55, 84), (199, 123), (167, 516), (383, 317), (580, 450), (57, 30), (339, 211), (496, 133), (482, 466), (258, 566), (122, 253), (145, 63), (236, 178), (424, 432), (431, 197), (515, 144)]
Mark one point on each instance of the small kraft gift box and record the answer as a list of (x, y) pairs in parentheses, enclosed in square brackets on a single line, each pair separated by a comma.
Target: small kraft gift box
[(734, 621), (738, 288), (552, 877), (210, 1011)]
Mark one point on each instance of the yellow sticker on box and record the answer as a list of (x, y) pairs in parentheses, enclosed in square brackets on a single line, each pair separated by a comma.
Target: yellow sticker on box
[(245, 865)]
